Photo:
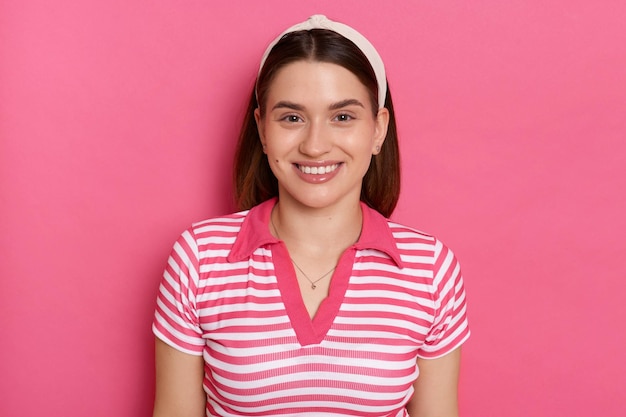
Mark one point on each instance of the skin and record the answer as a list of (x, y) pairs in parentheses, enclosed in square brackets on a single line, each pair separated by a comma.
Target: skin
[(436, 389), (179, 377), (318, 114)]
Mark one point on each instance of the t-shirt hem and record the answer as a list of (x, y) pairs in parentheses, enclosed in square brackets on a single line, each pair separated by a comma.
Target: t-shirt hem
[(440, 354), (173, 344)]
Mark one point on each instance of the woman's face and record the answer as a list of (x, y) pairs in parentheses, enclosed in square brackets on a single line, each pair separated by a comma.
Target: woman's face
[(319, 133)]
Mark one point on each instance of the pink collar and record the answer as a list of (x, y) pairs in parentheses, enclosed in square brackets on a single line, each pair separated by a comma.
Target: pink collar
[(255, 233)]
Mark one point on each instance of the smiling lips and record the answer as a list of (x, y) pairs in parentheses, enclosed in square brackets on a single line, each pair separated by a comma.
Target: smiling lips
[(317, 174), (317, 170)]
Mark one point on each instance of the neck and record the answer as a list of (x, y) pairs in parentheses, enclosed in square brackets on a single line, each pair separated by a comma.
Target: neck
[(317, 231)]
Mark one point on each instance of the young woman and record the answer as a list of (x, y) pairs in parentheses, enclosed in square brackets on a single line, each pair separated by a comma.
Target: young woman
[(310, 302)]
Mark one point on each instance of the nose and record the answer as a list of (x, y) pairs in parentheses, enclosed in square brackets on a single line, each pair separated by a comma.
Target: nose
[(316, 139)]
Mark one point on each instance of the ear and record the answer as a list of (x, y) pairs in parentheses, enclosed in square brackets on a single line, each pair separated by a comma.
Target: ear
[(380, 132), (259, 127)]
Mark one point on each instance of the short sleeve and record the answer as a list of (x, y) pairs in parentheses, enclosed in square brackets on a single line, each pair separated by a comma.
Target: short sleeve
[(450, 327), (176, 317)]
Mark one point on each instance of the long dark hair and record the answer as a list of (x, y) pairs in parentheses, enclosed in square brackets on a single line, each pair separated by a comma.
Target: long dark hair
[(253, 179)]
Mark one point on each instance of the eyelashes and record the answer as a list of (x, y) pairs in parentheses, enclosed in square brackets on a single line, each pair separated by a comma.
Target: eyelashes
[(294, 118)]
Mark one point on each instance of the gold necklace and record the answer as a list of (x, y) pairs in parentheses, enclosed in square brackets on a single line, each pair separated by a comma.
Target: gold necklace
[(313, 282)]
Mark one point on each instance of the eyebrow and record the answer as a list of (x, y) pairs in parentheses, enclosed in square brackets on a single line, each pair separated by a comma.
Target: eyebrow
[(283, 104), (288, 105), (346, 103)]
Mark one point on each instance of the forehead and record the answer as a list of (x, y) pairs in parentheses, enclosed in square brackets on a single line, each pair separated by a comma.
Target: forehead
[(314, 81)]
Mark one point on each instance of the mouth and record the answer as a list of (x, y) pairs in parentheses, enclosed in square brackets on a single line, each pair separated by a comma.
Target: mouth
[(317, 170)]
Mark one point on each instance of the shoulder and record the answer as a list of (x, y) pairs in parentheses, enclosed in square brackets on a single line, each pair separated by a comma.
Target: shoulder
[(401, 231), (211, 233), (225, 225), (232, 237), (247, 221), (416, 245), (409, 238)]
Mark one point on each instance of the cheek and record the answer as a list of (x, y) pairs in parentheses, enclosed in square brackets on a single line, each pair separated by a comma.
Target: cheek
[(280, 141), (360, 143), (274, 162)]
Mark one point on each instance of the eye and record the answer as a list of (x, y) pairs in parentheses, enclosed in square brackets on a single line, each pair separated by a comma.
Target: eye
[(343, 117), (292, 118)]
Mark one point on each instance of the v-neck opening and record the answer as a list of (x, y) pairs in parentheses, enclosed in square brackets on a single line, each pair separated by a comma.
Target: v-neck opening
[(311, 331), (255, 233)]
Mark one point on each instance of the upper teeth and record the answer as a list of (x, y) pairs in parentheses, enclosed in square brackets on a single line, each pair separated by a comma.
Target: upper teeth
[(318, 170)]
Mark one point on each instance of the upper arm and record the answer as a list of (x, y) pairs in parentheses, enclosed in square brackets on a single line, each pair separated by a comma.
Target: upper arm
[(179, 379), (436, 387)]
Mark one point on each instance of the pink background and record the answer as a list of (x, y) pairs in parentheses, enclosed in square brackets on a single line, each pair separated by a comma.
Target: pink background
[(117, 125)]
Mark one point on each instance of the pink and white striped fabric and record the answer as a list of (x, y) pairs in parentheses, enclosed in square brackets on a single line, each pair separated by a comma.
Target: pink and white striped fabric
[(229, 293)]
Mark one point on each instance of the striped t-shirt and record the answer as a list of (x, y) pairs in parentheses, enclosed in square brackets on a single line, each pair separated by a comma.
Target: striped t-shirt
[(230, 293)]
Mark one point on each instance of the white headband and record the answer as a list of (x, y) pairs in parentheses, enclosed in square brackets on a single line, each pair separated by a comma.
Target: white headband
[(319, 21)]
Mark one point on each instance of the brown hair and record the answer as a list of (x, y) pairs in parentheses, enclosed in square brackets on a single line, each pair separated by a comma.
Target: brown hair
[(253, 179)]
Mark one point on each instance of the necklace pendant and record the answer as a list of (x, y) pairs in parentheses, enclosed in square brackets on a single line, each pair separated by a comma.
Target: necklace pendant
[(313, 286)]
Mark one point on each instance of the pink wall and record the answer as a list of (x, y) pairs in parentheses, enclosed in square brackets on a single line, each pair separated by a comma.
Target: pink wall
[(117, 124)]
